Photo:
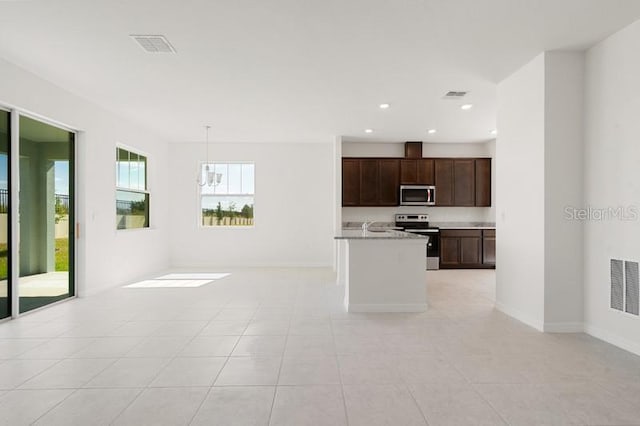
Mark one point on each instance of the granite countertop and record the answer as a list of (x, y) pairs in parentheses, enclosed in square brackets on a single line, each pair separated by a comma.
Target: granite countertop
[(390, 234), (375, 226), (463, 225)]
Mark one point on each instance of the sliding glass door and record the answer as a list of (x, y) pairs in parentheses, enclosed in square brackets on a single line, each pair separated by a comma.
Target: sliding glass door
[(5, 287), (46, 214)]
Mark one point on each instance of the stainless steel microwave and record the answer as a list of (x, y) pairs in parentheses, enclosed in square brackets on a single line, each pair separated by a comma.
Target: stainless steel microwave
[(417, 195)]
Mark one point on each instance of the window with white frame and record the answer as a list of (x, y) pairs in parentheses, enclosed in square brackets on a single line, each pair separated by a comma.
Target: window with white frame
[(229, 201), (132, 196)]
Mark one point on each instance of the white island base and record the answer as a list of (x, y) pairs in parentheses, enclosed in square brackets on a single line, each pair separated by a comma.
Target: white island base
[(383, 275)]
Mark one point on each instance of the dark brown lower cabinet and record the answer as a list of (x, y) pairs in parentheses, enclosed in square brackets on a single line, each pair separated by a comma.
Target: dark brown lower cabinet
[(470, 250), (489, 247), (449, 251), (464, 248)]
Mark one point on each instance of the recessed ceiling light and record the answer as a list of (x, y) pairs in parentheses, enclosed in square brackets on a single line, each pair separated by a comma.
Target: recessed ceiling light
[(431, 131), (368, 130), (384, 106), (494, 132), (466, 106)]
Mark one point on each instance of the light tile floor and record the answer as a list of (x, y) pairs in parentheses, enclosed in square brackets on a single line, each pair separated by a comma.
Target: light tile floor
[(274, 347)]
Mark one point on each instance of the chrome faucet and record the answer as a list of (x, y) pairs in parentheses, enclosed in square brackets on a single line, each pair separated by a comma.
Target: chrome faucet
[(366, 224)]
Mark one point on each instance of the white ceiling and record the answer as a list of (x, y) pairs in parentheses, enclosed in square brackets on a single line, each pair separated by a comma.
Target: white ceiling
[(299, 70)]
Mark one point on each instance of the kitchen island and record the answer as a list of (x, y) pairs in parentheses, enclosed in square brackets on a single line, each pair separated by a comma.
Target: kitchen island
[(382, 271)]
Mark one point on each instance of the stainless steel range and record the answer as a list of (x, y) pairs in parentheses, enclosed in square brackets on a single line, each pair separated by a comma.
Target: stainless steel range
[(419, 224)]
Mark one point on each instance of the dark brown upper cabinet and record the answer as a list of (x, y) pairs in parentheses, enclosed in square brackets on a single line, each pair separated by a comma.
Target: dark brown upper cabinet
[(444, 181), (413, 149), (389, 184), (376, 181), (426, 172), (464, 182), (350, 182), (408, 172), (370, 181), (417, 172), (483, 182)]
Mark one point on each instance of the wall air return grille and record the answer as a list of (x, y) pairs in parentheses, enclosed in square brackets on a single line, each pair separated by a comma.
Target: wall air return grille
[(631, 287), (617, 284), (154, 43), (625, 286)]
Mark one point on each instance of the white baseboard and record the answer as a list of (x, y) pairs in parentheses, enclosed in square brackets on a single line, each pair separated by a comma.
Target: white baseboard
[(253, 265), (372, 307), (520, 316), (563, 327), (614, 339)]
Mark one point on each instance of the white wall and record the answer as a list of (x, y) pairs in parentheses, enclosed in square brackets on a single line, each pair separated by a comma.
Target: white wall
[(396, 149), (520, 213), (436, 214), (107, 257), (612, 165), (294, 202), (337, 199), (563, 159), (539, 277)]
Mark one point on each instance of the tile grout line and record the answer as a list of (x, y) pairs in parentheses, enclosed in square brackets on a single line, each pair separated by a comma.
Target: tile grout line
[(195, 413), (413, 398), (275, 388), (75, 390), (58, 361), (464, 320), (335, 348), (471, 385), (144, 388)]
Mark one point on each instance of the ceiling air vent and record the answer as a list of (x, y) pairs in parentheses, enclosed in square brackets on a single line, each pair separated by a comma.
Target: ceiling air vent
[(453, 94), (154, 43)]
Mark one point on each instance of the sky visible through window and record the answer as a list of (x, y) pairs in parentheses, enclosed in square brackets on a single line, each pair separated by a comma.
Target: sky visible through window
[(3, 171), (236, 187), (60, 171), (131, 175)]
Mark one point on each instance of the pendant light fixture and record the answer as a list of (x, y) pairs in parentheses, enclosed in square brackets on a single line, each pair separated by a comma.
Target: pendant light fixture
[(210, 177)]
